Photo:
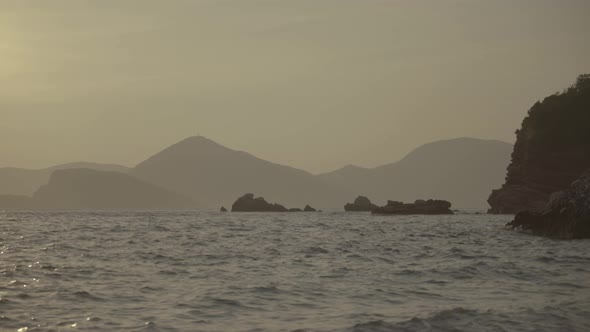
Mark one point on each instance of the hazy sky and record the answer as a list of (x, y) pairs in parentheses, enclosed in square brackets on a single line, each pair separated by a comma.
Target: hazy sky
[(315, 84)]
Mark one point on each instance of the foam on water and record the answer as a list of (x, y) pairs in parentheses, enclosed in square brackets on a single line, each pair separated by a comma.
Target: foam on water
[(209, 271)]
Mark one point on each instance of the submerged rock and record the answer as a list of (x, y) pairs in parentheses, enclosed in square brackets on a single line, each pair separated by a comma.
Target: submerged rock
[(566, 216), (361, 203), (248, 203), (418, 207), (223, 209), (552, 149), (309, 209)]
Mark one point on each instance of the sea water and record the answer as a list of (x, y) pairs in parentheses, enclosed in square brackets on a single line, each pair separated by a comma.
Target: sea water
[(330, 271)]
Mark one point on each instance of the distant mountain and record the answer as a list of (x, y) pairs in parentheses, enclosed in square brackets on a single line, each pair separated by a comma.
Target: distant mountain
[(92, 189), (462, 170), (20, 181), (198, 169), (15, 202), (215, 175)]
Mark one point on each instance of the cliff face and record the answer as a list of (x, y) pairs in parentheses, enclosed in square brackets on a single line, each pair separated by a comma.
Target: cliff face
[(567, 216), (552, 149)]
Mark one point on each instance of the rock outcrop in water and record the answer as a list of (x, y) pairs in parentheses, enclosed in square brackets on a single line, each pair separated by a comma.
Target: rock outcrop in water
[(566, 216), (248, 203), (552, 150), (418, 207), (361, 204), (223, 209), (309, 209)]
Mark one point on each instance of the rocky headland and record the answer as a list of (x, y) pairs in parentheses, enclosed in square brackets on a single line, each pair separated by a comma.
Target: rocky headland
[(566, 216), (360, 204), (430, 206), (552, 149)]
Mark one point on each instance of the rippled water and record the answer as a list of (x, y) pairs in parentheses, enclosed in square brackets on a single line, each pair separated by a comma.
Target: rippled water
[(208, 271)]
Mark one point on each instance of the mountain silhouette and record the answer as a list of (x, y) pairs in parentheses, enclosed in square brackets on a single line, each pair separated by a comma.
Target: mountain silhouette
[(21, 181), (197, 169), (91, 189), (214, 175), (461, 170)]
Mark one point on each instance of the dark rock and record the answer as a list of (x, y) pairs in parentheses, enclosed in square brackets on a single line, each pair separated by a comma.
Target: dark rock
[(295, 210), (361, 203), (418, 207), (566, 216), (552, 149), (309, 209), (223, 209), (248, 203)]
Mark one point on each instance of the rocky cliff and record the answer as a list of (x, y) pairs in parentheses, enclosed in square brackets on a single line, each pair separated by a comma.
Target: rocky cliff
[(567, 216), (552, 149)]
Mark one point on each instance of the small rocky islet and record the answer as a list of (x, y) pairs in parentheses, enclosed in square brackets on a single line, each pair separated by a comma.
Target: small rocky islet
[(426, 207), (250, 203), (360, 204)]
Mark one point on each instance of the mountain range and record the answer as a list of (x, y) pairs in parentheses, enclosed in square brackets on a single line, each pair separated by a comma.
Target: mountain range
[(201, 173), (461, 170), (21, 181)]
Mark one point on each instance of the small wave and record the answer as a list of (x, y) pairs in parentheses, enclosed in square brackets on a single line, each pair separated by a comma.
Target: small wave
[(315, 251), (268, 289), (466, 320), (80, 295)]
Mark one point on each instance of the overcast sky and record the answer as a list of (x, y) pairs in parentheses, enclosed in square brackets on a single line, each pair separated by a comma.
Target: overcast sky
[(315, 84)]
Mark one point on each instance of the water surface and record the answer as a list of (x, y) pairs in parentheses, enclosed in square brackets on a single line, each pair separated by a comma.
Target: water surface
[(331, 271)]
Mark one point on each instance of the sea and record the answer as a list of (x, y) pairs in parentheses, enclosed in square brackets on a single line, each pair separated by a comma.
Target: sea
[(325, 271)]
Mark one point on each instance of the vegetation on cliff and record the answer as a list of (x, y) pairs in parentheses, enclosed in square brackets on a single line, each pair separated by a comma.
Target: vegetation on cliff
[(552, 150)]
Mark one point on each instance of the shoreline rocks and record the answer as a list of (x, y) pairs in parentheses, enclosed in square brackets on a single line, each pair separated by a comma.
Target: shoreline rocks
[(566, 216), (430, 207), (360, 204)]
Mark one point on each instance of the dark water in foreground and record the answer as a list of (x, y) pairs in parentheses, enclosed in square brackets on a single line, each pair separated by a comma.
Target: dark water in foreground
[(207, 271)]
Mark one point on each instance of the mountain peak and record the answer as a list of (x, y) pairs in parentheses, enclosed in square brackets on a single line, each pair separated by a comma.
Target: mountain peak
[(193, 145), (197, 140)]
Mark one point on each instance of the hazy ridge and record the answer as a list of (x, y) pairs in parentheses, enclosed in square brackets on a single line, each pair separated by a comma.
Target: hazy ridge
[(208, 175)]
